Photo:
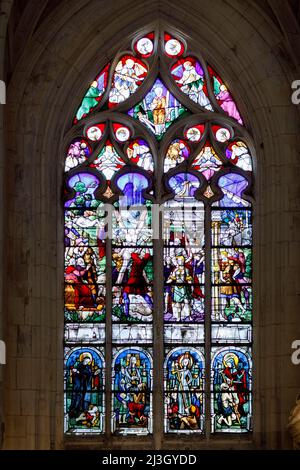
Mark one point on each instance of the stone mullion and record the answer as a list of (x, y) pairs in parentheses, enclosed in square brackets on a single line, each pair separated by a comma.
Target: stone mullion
[(108, 331), (158, 343), (207, 319), (158, 309)]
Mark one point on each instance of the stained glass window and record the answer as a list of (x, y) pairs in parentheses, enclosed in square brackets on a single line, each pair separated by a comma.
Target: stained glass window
[(158, 248)]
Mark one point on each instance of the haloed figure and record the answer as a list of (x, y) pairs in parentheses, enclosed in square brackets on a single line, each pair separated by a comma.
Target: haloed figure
[(84, 377), (181, 293)]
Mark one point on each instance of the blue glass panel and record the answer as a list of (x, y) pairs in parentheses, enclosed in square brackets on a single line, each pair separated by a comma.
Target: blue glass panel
[(232, 186), (132, 386), (184, 384), (78, 152), (84, 185), (231, 382), (84, 384)]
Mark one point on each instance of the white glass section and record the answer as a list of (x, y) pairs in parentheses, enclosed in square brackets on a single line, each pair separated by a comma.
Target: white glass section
[(122, 333), (184, 333), (84, 333)]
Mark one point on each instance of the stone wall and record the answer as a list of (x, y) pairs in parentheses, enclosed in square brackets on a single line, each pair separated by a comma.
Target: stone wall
[(5, 12), (50, 56)]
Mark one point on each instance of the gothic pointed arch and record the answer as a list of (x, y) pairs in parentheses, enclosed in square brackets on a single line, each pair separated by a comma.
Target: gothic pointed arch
[(158, 127)]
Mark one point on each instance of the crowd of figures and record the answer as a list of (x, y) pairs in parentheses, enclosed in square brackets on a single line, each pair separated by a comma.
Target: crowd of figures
[(132, 389)]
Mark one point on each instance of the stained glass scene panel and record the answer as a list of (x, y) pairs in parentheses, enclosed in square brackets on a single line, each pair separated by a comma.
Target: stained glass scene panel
[(132, 377), (231, 227), (184, 390), (184, 185), (84, 186), (130, 265), (239, 154), (132, 257), (224, 97), (231, 385), (133, 303), (189, 76), (84, 390), (232, 292), (132, 226), (138, 151), (85, 265), (108, 162), (128, 76), (84, 226), (177, 152), (184, 261), (207, 162), (78, 152), (232, 303), (158, 110), (232, 266), (183, 302), (133, 187)]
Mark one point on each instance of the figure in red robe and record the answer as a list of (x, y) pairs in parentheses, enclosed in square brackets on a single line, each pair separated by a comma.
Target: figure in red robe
[(137, 283)]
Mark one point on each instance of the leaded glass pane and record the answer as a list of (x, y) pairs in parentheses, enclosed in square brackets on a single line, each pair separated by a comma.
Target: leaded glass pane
[(84, 387), (158, 239), (231, 385), (158, 110), (132, 378), (184, 386)]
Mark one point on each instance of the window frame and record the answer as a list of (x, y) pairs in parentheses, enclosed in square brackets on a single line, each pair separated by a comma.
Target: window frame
[(158, 437)]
